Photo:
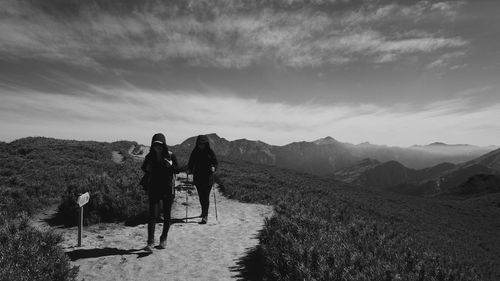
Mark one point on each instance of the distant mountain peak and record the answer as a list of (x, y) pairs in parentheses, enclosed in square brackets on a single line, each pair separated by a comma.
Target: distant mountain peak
[(437, 144), (369, 161), (446, 144), (326, 140), (393, 163)]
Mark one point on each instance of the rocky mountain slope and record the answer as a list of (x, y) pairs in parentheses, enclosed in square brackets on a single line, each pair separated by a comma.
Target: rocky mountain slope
[(327, 155), (442, 178), (476, 185), (373, 173)]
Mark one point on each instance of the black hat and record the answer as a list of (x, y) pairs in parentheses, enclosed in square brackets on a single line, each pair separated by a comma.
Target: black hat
[(202, 139), (158, 138)]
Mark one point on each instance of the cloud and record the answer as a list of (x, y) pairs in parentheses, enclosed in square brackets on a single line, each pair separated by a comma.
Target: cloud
[(382, 49), (222, 34), (137, 114), (448, 8), (476, 91), (392, 12), (447, 60)]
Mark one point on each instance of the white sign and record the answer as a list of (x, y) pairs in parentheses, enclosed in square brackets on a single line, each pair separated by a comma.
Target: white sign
[(83, 199)]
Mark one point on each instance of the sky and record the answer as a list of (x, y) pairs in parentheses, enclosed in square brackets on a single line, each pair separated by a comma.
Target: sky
[(384, 71)]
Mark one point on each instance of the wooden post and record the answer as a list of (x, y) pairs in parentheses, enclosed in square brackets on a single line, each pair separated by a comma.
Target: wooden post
[(80, 225), (81, 200)]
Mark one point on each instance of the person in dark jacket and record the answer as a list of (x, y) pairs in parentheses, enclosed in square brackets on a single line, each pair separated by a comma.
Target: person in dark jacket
[(160, 166), (203, 164)]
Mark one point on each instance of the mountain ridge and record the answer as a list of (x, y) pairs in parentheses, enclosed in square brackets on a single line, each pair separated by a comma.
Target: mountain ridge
[(440, 179), (326, 155)]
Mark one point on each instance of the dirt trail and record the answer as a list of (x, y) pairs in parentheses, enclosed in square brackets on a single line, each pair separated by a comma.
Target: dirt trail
[(116, 157), (194, 252)]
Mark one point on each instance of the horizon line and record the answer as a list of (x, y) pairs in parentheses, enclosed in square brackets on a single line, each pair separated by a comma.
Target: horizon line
[(297, 141)]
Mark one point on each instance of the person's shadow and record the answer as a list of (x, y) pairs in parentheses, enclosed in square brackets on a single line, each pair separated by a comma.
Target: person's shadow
[(143, 219), (104, 252), (251, 266)]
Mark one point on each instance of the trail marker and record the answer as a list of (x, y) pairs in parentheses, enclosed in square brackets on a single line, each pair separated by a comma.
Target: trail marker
[(81, 200)]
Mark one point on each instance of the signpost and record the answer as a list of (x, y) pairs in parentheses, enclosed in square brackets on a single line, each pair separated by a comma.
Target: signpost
[(81, 200)]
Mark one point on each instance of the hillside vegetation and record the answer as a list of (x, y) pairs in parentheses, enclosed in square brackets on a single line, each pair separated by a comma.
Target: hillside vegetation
[(38, 172), (327, 230), (322, 229)]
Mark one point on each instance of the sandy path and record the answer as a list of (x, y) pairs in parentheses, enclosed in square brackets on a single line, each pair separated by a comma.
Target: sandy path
[(194, 252), (116, 157)]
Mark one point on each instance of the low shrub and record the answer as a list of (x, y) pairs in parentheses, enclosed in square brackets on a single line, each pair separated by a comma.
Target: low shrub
[(30, 254), (35, 173), (113, 197), (323, 229)]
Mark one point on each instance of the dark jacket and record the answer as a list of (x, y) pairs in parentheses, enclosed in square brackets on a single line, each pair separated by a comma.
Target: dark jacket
[(160, 172), (202, 160)]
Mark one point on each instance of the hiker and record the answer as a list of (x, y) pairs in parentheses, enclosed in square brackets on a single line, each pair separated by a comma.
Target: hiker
[(203, 164), (160, 167)]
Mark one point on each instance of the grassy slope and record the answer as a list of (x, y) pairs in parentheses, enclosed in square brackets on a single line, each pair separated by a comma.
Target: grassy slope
[(325, 230), (322, 230), (36, 173)]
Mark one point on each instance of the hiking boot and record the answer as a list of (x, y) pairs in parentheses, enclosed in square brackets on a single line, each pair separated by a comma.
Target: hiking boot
[(203, 220), (163, 244), (148, 248)]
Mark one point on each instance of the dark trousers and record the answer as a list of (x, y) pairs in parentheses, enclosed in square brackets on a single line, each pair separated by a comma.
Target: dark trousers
[(204, 188), (154, 210)]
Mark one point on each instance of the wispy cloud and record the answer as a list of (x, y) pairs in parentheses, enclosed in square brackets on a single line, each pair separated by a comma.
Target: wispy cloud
[(448, 61), (182, 114), (223, 34), (88, 68), (391, 11)]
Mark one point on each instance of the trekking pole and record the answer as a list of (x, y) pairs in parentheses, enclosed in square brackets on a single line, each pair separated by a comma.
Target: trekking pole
[(215, 204), (185, 186)]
